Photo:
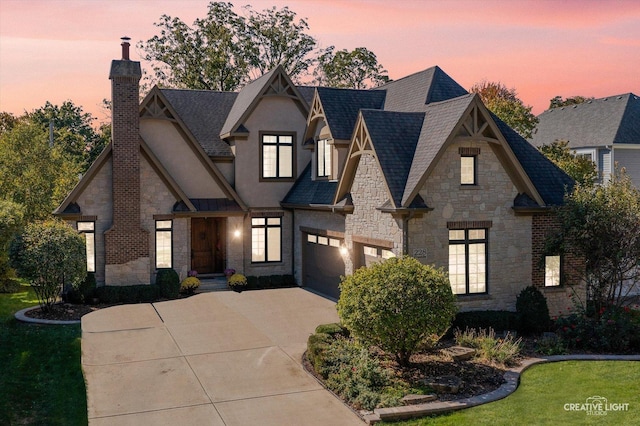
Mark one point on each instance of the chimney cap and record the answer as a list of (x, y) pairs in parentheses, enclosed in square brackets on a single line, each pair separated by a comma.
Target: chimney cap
[(125, 38)]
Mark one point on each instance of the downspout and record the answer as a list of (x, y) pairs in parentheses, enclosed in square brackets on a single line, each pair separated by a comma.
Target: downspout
[(405, 232)]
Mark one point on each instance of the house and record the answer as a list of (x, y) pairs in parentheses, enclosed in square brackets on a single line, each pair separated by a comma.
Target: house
[(316, 182), (606, 131)]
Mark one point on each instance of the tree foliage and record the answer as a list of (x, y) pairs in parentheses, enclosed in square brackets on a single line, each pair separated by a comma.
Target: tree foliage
[(505, 103), (34, 174), (557, 101), (581, 169), (11, 220), (358, 69), (601, 224), (398, 305), (50, 255)]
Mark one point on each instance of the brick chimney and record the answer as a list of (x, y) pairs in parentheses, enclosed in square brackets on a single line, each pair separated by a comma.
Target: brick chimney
[(126, 241)]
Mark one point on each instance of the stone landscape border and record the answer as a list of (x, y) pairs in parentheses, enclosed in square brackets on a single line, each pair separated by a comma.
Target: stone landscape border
[(512, 379), (21, 316)]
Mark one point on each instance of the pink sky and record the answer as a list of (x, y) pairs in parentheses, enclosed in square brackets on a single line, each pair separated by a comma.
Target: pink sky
[(57, 50)]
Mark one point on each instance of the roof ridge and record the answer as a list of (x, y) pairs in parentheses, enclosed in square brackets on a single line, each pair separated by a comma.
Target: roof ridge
[(434, 67)]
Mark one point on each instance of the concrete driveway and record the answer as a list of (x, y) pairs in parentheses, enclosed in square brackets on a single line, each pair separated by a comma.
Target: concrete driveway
[(220, 358)]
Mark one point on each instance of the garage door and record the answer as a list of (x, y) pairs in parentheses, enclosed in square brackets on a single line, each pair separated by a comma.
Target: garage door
[(322, 264)]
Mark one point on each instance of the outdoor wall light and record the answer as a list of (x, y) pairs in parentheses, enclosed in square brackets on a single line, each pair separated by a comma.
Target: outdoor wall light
[(237, 233), (343, 250)]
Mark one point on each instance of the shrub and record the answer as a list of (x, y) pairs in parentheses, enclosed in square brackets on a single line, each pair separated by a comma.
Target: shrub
[(11, 220), (488, 346), (128, 294), (533, 313), (498, 320), (551, 345), (168, 283), (50, 255), (237, 280), (332, 329), (189, 285), (614, 329), (398, 305), (270, 281), (85, 291)]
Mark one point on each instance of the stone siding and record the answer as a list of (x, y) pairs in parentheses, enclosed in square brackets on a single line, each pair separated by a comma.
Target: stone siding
[(369, 191), (509, 237)]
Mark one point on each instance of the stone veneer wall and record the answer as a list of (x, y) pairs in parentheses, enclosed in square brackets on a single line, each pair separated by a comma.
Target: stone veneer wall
[(509, 244), (368, 192), (235, 247), (324, 221)]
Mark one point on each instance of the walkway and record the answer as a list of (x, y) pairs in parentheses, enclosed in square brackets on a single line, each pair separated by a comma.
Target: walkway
[(219, 358)]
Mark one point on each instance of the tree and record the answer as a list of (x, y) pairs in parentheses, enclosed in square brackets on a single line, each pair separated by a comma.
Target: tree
[(7, 122), (34, 174), (507, 106), (581, 169), (224, 50), (601, 224), (11, 217), (358, 69), (557, 101), (397, 305), (50, 255)]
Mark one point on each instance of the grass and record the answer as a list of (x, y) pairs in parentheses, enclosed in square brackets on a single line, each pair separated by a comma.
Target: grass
[(41, 380), (545, 389)]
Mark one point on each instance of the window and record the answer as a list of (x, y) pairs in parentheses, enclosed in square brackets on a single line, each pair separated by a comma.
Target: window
[(324, 158), (468, 260), (467, 170), (266, 242), (164, 238), (277, 156), (88, 229), (375, 254), (551, 271)]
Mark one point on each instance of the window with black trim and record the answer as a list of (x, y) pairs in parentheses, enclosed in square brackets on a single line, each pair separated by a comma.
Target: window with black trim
[(277, 156), (467, 170), (164, 244), (88, 229), (266, 239), (552, 268), (468, 260), (324, 158)]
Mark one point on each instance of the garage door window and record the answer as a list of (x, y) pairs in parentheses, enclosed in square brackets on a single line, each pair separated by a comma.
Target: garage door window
[(323, 241)]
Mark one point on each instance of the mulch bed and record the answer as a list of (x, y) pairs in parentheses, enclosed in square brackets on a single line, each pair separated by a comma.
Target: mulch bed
[(64, 312)]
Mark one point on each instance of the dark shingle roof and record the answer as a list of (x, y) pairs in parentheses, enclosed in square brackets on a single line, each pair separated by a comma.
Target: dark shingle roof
[(203, 112), (550, 181), (600, 122), (307, 93), (394, 136), (341, 108), (307, 192), (412, 93)]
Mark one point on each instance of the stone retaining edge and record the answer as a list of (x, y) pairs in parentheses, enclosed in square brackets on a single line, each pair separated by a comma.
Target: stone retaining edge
[(512, 380), (20, 316)]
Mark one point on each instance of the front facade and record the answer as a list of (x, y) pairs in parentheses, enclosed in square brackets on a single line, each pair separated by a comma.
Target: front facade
[(605, 130), (316, 182)]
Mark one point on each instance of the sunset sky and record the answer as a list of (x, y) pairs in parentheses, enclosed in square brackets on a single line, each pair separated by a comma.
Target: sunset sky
[(57, 50)]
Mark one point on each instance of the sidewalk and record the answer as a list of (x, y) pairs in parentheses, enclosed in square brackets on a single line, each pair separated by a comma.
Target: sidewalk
[(220, 358)]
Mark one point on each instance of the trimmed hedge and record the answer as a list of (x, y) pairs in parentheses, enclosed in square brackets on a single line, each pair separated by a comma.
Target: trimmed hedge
[(168, 282), (497, 320), (84, 292), (270, 281), (128, 294)]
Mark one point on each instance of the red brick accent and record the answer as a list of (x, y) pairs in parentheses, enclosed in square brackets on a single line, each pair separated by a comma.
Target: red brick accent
[(126, 240), (542, 226)]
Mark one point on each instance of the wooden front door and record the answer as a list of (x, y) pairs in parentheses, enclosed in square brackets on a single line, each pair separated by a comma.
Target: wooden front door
[(207, 245)]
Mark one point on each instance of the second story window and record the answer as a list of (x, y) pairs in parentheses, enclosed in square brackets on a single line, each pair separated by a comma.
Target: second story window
[(324, 158), (277, 156), (468, 165)]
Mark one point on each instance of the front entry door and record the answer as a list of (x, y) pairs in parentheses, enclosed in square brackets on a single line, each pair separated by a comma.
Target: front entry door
[(207, 245)]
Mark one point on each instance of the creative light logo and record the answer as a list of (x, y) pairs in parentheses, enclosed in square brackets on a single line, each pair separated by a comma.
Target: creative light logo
[(596, 406)]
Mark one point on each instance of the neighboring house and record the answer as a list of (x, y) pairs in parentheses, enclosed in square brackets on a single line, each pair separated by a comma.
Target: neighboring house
[(316, 182), (606, 131)]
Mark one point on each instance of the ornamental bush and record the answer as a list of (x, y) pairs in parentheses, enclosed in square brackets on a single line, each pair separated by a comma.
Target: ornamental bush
[(533, 312), (50, 255), (168, 283), (399, 305), (189, 285)]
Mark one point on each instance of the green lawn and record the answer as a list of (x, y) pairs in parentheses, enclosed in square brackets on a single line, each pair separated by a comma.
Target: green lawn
[(545, 389), (41, 381)]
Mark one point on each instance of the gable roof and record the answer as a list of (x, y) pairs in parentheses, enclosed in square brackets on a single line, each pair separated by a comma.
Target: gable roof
[(341, 107), (414, 92), (394, 136), (203, 112), (275, 82), (599, 122)]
